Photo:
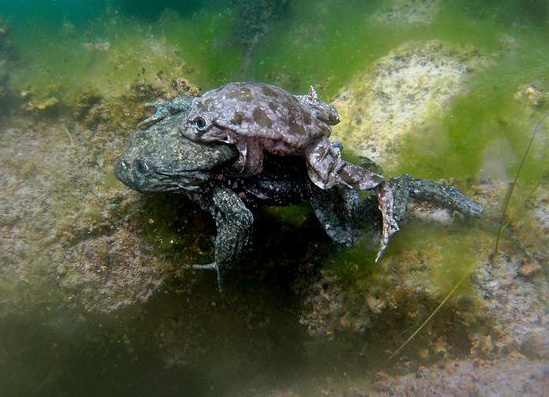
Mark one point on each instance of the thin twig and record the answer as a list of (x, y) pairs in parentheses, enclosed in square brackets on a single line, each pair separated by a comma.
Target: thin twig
[(69, 134), (509, 194)]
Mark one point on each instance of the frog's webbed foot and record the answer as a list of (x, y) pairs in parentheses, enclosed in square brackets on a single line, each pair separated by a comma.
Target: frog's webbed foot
[(215, 267), (395, 194), (386, 205), (405, 187), (165, 109), (234, 222)]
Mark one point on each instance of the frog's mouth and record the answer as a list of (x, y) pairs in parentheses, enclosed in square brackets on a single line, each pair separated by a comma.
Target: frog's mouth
[(145, 177)]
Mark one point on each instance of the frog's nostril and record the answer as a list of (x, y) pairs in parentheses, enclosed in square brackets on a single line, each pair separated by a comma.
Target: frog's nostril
[(141, 166)]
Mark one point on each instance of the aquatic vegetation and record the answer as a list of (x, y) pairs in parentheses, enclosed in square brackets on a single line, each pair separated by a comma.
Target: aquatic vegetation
[(151, 11), (505, 12), (535, 131), (101, 56), (7, 58)]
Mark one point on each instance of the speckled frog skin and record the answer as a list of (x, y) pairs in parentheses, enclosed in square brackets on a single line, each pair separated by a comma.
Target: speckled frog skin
[(261, 118), (160, 158)]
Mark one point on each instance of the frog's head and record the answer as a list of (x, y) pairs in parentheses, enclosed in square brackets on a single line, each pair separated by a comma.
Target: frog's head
[(238, 111), (160, 158), (220, 114)]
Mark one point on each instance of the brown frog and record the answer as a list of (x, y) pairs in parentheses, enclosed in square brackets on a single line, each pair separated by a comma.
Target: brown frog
[(260, 118)]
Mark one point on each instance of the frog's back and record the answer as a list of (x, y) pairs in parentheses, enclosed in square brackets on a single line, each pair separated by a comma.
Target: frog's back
[(260, 111)]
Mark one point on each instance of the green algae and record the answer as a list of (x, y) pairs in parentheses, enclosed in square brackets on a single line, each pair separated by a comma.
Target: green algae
[(212, 60), (295, 215), (485, 126), (503, 13), (443, 255), (101, 56), (313, 47)]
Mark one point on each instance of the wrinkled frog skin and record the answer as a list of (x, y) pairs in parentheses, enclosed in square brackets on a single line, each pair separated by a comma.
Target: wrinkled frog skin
[(159, 158), (261, 118)]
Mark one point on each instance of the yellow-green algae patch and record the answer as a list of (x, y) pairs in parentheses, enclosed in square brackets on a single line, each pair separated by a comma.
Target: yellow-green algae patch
[(407, 90), (355, 296), (314, 47), (108, 54), (495, 109)]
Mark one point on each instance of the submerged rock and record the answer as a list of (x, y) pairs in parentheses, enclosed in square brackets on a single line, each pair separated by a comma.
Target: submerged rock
[(402, 96)]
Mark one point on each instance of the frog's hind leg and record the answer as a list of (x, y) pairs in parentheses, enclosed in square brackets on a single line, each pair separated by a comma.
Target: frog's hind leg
[(323, 163), (327, 169), (385, 200)]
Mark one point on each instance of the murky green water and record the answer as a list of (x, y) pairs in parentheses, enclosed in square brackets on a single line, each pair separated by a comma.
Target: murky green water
[(292, 320)]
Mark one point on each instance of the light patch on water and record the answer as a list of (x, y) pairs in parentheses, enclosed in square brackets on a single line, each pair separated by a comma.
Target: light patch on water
[(408, 88), (497, 157), (402, 12)]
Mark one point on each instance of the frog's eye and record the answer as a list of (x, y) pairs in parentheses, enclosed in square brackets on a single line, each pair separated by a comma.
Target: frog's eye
[(200, 123)]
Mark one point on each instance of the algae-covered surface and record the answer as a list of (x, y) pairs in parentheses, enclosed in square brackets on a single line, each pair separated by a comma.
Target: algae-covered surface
[(96, 294)]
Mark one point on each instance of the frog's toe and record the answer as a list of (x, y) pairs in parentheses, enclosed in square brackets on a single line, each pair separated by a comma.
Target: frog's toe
[(150, 121), (215, 267)]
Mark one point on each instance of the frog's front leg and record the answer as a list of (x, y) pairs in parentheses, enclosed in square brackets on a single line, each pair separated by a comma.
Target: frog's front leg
[(234, 223)]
